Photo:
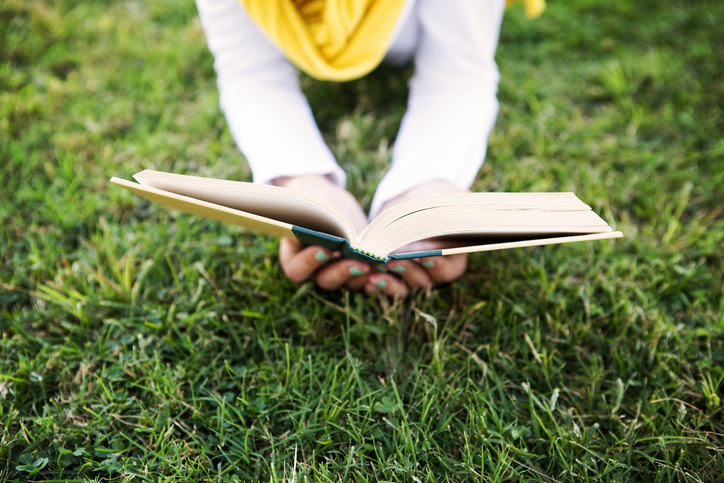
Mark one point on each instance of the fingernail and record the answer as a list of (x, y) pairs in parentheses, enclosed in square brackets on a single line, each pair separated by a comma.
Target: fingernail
[(380, 284), (398, 269), (428, 264), (321, 256), (355, 271), (382, 269)]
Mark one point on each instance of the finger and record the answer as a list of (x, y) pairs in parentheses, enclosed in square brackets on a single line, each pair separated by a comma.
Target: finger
[(412, 273), (339, 273), (445, 269), (357, 284), (387, 284), (298, 262)]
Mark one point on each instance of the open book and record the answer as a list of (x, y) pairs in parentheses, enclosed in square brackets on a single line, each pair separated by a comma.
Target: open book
[(468, 222)]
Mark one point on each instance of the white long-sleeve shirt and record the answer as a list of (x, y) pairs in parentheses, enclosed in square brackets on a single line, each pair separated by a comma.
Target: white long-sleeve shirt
[(451, 109)]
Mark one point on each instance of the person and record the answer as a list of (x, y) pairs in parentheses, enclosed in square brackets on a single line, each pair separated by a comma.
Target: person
[(258, 45)]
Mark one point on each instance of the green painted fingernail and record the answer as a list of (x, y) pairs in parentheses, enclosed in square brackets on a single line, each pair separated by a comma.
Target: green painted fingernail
[(355, 271), (398, 269), (380, 284), (321, 256), (428, 264), (382, 269)]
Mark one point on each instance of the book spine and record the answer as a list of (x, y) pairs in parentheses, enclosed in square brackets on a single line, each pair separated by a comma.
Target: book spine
[(336, 243)]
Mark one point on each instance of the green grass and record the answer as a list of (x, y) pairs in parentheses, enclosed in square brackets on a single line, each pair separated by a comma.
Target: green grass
[(143, 345)]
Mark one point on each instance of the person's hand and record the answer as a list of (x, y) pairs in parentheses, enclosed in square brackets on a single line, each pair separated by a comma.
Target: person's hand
[(431, 270), (328, 271)]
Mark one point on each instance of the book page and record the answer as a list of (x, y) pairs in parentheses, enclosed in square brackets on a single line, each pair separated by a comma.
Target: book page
[(212, 211), (478, 216), (282, 204), (531, 243)]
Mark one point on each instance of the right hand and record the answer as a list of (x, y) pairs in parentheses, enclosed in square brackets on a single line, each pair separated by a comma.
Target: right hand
[(322, 265)]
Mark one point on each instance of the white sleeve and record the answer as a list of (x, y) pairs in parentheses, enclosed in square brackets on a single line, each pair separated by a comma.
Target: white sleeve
[(452, 105), (267, 113)]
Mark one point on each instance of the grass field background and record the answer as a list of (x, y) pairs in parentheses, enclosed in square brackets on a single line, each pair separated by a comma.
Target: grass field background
[(143, 345)]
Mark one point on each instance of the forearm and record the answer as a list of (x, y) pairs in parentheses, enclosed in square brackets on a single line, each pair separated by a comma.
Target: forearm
[(443, 137), (274, 128), (267, 113), (452, 105)]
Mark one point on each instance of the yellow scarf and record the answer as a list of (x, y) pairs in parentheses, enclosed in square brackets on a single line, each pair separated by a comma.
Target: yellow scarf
[(336, 40), (533, 8)]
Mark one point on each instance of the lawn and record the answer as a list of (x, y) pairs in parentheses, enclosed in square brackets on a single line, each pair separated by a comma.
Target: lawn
[(140, 344)]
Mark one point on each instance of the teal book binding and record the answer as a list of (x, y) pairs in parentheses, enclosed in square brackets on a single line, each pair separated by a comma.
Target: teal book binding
[(312, 237), (407, 256)]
